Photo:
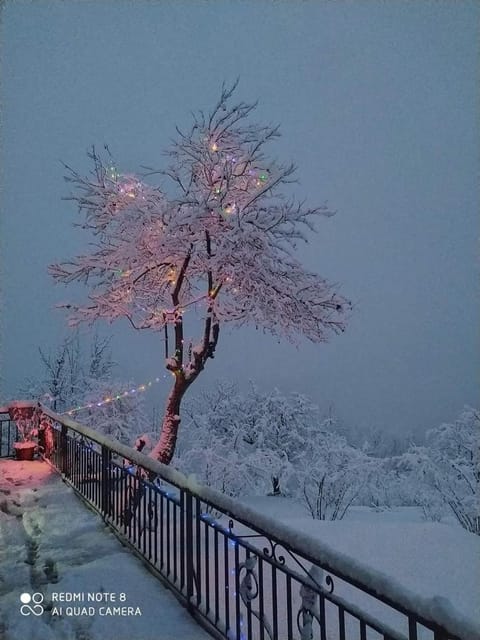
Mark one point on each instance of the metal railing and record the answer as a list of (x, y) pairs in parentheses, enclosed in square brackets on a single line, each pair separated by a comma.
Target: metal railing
[(242, 575), (8, 435)]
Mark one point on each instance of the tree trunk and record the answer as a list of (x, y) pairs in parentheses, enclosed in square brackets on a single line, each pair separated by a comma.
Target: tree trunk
[(165, 448), (276, 491)]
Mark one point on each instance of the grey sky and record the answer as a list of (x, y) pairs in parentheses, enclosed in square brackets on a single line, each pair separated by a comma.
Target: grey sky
[(378, 103)]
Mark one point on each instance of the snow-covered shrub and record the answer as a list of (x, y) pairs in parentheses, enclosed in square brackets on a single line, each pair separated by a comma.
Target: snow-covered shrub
[(407, 481), (258, 442), (331, 475), (281, 426), (453, 469), (377, 492), (443, 476), (221, 443), (245, 443)]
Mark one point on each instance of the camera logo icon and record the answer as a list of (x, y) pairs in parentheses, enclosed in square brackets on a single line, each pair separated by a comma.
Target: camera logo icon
[(31, 604)]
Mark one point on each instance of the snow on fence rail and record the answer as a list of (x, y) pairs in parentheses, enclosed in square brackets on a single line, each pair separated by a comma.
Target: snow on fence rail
[(242, 575)]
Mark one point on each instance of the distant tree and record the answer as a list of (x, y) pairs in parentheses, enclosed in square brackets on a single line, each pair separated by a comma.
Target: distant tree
[(223, 444), (221, 247), (442, 476), (265, 433), (451, 466), (283, 426), (383, 443), (52, 386), (331, 474), (77, 375)]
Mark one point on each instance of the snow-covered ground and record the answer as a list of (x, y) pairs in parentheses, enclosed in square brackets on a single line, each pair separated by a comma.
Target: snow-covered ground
[(437, 562), (50, 543)]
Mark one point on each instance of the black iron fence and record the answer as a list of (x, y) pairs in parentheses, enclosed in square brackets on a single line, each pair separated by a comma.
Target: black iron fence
[(8, 435), (240, 574)]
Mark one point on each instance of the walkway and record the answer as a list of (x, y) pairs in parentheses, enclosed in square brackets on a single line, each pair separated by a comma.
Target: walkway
[(92, 587)]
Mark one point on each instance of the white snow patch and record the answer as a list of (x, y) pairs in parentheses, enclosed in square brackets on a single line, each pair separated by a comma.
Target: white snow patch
[(43, 524), (429, 566)]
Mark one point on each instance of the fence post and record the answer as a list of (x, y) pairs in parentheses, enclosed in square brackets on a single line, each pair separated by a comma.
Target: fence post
[(105, 489), (63, 451), (189, 546)]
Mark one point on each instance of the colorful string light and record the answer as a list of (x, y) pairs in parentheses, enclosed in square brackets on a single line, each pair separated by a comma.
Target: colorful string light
[(113, 173), (229, 208), (109, 399)]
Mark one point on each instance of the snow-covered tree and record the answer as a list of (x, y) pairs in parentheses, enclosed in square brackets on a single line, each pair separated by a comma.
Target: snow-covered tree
[(331, 474), (241, 442), (220, 245), (442, 476), (451, 466), (382, 443), (222, 443), (54, 384), (77, 375), (281, 425), (264, 433), (234, 471)]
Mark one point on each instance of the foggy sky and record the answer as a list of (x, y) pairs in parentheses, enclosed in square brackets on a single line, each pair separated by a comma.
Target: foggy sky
[(378, 106)]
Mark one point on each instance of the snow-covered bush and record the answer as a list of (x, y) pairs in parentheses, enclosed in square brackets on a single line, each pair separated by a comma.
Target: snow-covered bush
[(245, 442), (222, 446), (281, 426), (405, 480), (443, 476), (331, 475), (377, 492), (453, 468)]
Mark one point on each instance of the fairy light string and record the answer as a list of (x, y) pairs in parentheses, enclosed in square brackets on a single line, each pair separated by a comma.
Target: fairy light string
[(114, 397), (168, 316)]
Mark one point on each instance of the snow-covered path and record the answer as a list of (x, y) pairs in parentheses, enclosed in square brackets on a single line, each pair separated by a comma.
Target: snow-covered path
[(52, 545)]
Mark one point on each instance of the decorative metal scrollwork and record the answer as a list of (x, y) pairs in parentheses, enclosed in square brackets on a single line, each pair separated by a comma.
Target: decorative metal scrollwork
[(308, 612), (272, 553), (315, 573), (329, 583), (249, 582), (249, 591)]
